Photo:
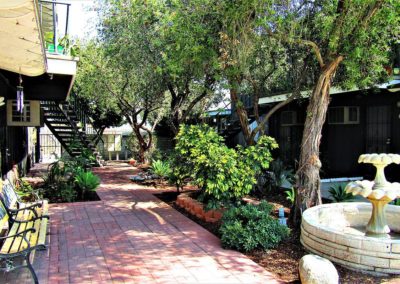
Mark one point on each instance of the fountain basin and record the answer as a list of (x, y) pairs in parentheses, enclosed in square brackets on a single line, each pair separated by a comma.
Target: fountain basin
[(337, 231)]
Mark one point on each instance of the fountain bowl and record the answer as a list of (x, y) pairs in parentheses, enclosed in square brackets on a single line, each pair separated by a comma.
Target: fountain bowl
[(337, 231)]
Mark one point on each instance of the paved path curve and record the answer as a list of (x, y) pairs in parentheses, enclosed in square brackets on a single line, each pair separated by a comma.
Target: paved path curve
[(130, 236)]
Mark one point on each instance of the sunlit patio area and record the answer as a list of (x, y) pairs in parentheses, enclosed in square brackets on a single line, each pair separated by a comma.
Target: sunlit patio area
[(130, 236)]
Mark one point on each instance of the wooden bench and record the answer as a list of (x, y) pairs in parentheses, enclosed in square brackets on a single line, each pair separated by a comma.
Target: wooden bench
[(27, 228), (13, 204)]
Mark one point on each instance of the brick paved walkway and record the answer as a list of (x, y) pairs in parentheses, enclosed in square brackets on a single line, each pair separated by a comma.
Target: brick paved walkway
[(130, 236)]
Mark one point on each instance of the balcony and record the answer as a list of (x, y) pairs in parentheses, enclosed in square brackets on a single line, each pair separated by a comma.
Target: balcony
[(29, 32)]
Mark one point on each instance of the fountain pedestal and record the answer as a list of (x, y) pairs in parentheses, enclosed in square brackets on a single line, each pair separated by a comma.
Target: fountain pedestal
[(379, 192), (357, 234)]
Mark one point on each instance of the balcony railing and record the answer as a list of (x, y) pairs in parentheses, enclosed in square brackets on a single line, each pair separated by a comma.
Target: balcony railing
[(54, 19)]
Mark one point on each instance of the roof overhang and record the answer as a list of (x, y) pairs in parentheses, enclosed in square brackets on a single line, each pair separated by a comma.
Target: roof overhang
[(392, 86), (21, 42)]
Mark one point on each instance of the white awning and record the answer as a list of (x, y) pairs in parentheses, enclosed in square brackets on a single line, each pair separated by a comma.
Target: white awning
[(21, 42)]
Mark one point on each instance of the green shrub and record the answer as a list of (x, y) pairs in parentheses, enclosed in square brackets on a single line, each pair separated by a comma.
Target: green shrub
[(61, 184), (160, 168), (249, 226), (86, 181), (179, 172), (222, 173), (339, 194)]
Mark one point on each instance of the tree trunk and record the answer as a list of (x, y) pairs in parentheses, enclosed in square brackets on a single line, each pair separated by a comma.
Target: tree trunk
[(308, 181), (242, 115)]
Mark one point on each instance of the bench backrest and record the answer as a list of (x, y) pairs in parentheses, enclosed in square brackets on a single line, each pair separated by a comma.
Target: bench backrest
[(8, 195), (3, 212)]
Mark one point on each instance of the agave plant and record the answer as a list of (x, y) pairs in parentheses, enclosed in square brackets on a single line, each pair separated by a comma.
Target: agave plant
[(160, 168), (86, 181), (339, 194)]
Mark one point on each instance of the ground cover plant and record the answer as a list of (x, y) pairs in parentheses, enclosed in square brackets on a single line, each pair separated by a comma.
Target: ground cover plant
[(247, 227)]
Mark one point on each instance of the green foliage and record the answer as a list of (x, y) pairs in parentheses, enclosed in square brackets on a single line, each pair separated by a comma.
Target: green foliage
[(160, 168), (291, 195), (179, 171), (222, 173), (86, 180), (396, 202), (25, 191), (249, 226), (339, 194), (69, 179)]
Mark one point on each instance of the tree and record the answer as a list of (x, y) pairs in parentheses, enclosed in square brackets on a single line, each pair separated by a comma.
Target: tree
[(348, 38), (177, 39), (255, 64), (348, 42), (122, 86)]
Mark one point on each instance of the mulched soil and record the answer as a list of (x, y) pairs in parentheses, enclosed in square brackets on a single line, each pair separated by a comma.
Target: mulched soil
[(283, 260)]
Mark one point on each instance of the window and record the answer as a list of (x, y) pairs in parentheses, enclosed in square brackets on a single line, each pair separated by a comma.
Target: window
[(24, 116), (292, 118), (344, 115), (30, 115)]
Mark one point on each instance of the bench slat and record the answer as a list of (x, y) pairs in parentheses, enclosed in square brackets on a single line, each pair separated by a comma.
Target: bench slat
[(18, 243)]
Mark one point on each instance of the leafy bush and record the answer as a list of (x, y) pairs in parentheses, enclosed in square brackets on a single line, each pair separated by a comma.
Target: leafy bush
[(249, 226), (179, 172), (86, 181), (160, 168), (223, 174), (339, 194), (61, 183)]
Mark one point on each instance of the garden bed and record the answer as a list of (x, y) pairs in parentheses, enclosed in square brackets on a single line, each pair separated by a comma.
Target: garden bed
[(282, 260)]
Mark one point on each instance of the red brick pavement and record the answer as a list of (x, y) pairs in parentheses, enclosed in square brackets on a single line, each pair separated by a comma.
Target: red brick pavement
[(130, 236)]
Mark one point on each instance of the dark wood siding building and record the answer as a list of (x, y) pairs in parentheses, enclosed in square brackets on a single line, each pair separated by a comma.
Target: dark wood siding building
[(358, 122)]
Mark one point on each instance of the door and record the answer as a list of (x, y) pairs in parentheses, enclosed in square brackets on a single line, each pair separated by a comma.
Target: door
[(378, 129)]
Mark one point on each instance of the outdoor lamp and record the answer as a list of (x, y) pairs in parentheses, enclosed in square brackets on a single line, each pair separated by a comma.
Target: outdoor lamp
[(20, 96)]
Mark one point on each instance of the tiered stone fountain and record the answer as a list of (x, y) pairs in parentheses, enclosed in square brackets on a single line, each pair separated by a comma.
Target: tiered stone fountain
[(359, 235)]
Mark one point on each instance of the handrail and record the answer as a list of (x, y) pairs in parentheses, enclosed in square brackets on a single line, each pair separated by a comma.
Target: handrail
[(78, 105)]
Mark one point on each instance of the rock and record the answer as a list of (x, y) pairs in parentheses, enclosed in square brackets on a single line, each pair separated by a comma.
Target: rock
[(314, 269)]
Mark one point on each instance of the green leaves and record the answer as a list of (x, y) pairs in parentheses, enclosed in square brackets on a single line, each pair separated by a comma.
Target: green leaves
[(224, 174), (86, 180), (247, 227)]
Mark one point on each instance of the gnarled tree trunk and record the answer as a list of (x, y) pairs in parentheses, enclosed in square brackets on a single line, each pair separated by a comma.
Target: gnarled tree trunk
[(308, 180)]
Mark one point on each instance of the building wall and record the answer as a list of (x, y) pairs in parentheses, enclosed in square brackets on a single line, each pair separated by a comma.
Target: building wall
[(341, 145)]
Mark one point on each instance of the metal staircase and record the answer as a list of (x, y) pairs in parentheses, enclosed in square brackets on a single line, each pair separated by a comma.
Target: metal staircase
[(71, 126)]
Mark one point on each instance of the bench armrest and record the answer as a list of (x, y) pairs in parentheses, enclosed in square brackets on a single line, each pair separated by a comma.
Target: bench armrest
[(30, 220), (31, 208), (23, 233)]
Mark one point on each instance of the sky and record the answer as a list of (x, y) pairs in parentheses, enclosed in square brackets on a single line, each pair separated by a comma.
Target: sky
[(82, 18)]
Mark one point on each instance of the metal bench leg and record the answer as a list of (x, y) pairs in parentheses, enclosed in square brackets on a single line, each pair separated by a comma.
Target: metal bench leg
[(30, 267)]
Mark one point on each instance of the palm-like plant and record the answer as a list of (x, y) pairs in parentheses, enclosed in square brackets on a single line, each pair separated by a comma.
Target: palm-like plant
[(86, 181), (339, 194)]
